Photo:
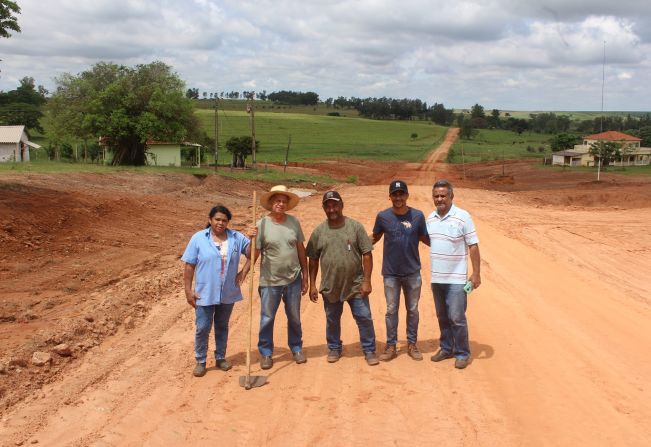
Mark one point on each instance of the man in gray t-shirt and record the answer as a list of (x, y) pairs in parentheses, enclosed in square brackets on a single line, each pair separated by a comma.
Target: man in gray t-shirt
[(283, 273), (344, 251)]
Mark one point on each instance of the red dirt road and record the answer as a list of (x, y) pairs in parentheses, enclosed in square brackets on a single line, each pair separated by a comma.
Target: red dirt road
[(559, 328)]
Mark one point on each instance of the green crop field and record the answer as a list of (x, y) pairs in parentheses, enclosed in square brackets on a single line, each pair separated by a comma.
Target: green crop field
[(315, 137), (490, 145)]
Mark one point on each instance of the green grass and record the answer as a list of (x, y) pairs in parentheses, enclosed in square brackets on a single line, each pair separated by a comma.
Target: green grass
[(261, 174), (315, 137), (626, 170), (490, 145), (239, 105)]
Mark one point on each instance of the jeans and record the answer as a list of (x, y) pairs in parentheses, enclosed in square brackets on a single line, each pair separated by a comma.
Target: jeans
[(451, 302), (205, 315), (270, 297), (410, 286), (362, 315)]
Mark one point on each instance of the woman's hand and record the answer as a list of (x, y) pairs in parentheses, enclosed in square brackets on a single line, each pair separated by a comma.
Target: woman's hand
[(192, 298), (241, 276)]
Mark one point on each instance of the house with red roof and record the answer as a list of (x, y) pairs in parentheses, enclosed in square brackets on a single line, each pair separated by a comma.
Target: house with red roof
[(632, 154)]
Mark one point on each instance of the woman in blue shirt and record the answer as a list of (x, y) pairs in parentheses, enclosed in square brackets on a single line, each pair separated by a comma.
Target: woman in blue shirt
[(212, 259)]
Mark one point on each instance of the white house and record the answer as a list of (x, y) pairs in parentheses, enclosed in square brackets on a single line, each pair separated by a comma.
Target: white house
[(632, 153), (15, 144)]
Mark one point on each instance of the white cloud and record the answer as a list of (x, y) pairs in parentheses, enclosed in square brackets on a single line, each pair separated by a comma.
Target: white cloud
[(517, 54)]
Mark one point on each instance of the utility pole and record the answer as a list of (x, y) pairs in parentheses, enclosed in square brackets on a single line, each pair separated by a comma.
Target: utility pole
[(251, 110), (216, 136), (601, 127), (287, 154)]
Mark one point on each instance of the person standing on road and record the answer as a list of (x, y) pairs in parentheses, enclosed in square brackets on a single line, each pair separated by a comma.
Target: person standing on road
[(212, 260), (403, 228), (452, 237), (283, 272), (343, 249)]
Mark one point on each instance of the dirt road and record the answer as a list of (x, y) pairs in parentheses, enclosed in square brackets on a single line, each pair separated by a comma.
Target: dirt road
[(559, 336)]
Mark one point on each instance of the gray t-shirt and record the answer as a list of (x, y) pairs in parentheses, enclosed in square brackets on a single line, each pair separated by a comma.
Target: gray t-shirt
[(340, 253), (279, 265)]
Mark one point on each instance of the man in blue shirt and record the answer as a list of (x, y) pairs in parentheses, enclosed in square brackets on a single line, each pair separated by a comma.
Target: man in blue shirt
[(403, 228)]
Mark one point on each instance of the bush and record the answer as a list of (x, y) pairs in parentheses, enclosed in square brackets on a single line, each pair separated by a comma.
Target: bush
[(530, 148), (414, 136), (334, 114)]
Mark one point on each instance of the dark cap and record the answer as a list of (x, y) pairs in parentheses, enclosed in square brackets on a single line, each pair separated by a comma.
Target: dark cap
[(331, 195), (398, 185)]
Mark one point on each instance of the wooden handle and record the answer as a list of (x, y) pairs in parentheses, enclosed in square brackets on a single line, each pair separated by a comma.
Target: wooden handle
[(252, 272)]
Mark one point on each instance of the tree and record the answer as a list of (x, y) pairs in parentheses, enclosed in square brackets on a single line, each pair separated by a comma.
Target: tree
[(467, 131), (23, 105), (563, 141), (477, 111), (8, 20), (240, 147), (127, 106), (441, 115), (605, 150), (645, 134), (494, 120)]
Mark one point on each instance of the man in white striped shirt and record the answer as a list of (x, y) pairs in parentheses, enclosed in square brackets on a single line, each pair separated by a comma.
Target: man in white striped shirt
[(452, 238)]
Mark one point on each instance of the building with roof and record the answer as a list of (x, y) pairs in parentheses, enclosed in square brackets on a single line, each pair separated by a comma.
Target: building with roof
[(15, 144), (632, 154)]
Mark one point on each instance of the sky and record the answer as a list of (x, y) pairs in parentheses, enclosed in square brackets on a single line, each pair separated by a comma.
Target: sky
[(503, 54)]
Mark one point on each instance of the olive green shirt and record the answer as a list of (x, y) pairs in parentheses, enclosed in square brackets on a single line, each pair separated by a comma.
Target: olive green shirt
[(279, 265), (340, 251)]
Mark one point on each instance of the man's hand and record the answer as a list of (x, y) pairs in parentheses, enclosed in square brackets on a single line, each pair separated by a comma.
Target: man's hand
[(304, 285), (314, 294), (475, 278), (241, 276), (366, 287)]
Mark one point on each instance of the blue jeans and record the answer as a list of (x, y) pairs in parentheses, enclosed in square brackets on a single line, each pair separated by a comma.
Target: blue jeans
[(205, 315), (410, 286), (270, 297), (451, 302), (362, 315)]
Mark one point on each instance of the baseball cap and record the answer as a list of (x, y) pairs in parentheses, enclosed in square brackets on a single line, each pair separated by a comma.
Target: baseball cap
[(398, 185), (331, 195)]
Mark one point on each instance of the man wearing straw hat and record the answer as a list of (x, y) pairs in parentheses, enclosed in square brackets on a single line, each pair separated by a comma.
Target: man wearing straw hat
[(283, 272)]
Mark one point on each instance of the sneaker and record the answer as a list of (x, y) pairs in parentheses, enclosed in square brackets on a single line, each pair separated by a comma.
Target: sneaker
[(223, 364), (299, 357), (441, 355), (266, 362), (334, 355), (199, 370), (389, 353), (371, 358), (461, 363), (413, 352)]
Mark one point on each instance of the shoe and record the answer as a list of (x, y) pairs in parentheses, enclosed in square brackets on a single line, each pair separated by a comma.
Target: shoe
[(266, 362), (371, 358), (441, 355), (199, 370), (413, 352), (223, 364), (299, 357), (389, 353), (461, 363), (334, 355)]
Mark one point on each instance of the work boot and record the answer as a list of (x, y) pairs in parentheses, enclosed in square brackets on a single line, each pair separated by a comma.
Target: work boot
[(334, 355), (266, 362), (299, 357), (441, 355), (413, 352), (461, 363), (389, 353), (199, 370), (223, 364), (371, 358)]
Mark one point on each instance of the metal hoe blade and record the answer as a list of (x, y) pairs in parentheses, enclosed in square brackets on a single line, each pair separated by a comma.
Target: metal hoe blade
[(248, 382)]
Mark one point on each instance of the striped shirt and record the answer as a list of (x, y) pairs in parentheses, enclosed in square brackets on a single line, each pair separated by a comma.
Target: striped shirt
[(450, 237)]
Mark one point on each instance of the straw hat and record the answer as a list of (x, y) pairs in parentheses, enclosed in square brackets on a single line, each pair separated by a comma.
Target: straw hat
[(279, 189)]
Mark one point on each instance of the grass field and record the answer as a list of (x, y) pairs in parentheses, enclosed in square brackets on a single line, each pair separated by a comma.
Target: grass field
[(315, 137), (61, 167), (490, 145)]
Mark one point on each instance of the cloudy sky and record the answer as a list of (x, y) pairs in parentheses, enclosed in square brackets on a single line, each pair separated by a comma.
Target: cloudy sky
[(505, 54)]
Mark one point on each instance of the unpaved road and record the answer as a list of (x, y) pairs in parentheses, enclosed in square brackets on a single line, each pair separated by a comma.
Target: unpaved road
[(559, 336)]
